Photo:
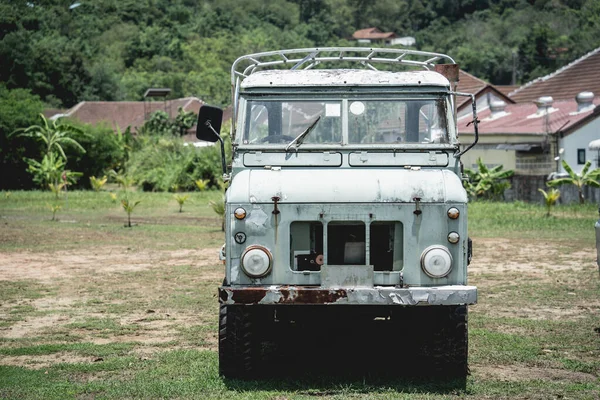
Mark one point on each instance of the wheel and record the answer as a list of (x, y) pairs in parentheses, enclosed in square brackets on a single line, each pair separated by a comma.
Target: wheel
[(447, 350), (237, 350), (276, 139)]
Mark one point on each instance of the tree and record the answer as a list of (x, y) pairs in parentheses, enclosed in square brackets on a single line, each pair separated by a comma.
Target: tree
[(18, 108), (585, 178)]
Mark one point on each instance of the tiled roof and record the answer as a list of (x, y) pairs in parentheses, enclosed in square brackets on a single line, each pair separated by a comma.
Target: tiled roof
[(372, 33), (506, 89), (128, 113), (519, 119), (468, 83), (579, 76)]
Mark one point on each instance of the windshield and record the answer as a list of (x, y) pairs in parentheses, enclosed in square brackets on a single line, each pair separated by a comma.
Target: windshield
[(346, 121)]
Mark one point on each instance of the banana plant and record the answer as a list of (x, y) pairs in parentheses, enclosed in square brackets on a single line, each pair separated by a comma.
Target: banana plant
[(487, 182), (586, 177), (53, 134)]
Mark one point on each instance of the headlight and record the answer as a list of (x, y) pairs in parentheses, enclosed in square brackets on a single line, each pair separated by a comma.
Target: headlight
[(436, 261), (256, 261), (453, 213)]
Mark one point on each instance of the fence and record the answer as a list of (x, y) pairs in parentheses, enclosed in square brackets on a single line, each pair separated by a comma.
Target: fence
[(525, 188)]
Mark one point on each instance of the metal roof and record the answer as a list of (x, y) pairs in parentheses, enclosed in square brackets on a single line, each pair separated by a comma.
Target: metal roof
[(343, 77)]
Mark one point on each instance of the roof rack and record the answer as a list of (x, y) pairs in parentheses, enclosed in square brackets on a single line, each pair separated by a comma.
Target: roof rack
[(309, 58)]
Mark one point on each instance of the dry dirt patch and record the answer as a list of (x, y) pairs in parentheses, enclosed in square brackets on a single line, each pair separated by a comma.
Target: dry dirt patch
[(516, 373), (531, 258), (48, 267), (45, 361)]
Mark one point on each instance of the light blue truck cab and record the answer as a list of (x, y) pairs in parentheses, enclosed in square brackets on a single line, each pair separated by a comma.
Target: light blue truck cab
[(345, 190)]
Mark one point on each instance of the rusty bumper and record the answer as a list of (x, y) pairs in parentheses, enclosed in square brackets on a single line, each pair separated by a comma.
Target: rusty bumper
[(378, 295)]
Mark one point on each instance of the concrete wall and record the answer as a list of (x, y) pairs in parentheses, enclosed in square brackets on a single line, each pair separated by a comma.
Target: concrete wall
[(580, 140)]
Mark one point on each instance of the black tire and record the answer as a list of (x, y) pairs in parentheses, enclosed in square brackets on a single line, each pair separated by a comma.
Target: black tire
[(447, 350), (238, 356)]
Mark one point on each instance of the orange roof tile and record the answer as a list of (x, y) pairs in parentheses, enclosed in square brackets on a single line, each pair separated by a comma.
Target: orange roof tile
[(579, 76)]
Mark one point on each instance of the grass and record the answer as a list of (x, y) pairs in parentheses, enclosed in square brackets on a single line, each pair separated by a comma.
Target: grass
[(131, 327), (526, 221)]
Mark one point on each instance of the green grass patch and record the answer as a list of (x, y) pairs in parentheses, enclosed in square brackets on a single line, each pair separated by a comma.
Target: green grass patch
[(525, 220), (84, 349)]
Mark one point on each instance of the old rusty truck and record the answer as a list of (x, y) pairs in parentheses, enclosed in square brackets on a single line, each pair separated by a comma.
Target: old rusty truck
[(345, 199)]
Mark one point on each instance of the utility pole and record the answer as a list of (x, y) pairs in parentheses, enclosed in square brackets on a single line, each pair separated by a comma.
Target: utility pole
[(514, 68)]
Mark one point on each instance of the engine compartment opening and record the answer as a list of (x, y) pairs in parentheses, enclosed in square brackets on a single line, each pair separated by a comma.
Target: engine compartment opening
[(306, 245), (346, 243), (385, 247)]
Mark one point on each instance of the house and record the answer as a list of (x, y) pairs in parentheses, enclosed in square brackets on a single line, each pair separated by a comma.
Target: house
[(532, 138), (374, 35), (123, 114), (484, 92), (579, 76)]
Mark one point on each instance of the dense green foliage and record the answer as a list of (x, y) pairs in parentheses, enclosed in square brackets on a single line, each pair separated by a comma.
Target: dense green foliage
[(116, 49), (18, 108)]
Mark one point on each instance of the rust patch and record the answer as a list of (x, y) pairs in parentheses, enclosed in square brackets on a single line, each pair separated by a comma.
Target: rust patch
[(247, 295), (282, 295), (450, 71)]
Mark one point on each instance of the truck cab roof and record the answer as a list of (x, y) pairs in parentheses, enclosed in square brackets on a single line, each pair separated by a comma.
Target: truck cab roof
[(343, 78)]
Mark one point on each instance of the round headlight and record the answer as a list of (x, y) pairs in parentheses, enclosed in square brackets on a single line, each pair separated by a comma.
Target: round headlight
[(436, 261), (256, 261), (453, 237), (239, 213), (453, 213)]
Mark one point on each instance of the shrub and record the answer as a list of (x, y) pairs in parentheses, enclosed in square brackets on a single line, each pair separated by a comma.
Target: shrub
[(160, 164), (105, 150)]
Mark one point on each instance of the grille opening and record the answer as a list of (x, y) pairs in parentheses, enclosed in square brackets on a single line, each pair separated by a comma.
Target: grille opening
[(346, 243), (385, 248), (306, 245)]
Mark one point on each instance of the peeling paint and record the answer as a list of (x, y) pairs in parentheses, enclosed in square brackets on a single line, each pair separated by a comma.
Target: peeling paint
[(379, 295)]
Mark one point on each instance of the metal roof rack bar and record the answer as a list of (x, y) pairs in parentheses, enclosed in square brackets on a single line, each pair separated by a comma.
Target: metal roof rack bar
[(307, 58), (298, 58)]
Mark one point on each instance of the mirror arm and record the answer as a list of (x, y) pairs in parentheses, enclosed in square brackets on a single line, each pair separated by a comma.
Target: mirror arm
[(208, 124), (475, 123)]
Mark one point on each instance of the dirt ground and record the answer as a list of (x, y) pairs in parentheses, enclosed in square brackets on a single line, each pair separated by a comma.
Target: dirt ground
[(85, 287)]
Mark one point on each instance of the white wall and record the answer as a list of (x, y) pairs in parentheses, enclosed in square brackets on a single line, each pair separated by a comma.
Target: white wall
[(580, 140)]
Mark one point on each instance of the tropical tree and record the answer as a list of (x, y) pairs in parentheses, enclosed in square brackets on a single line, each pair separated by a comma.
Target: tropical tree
[(54, 135), (586, 177), (487, 182), (550, 198), (50, 172)]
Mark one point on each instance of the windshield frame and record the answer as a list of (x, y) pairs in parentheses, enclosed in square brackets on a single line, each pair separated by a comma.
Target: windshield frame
[(345, 97)]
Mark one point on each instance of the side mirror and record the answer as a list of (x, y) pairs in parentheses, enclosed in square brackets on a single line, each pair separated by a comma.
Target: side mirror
[(208, 128), (209, 123)]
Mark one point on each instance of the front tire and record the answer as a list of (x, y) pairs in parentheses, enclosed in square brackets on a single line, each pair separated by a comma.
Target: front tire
[(237, 350)]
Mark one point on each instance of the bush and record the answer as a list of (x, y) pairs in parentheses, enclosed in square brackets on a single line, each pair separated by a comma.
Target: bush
[(162, 164), (105, 150)]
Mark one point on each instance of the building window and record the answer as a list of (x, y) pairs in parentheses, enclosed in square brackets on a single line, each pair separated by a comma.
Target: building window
[(580, 156)]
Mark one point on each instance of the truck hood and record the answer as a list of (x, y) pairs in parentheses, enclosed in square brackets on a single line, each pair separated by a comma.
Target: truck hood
[(345, 186)]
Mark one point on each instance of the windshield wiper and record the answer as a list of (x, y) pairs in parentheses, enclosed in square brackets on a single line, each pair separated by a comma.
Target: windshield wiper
[(300, 138)]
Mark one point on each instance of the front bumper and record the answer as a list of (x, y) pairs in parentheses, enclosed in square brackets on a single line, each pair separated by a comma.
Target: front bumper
[(378, 295)]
